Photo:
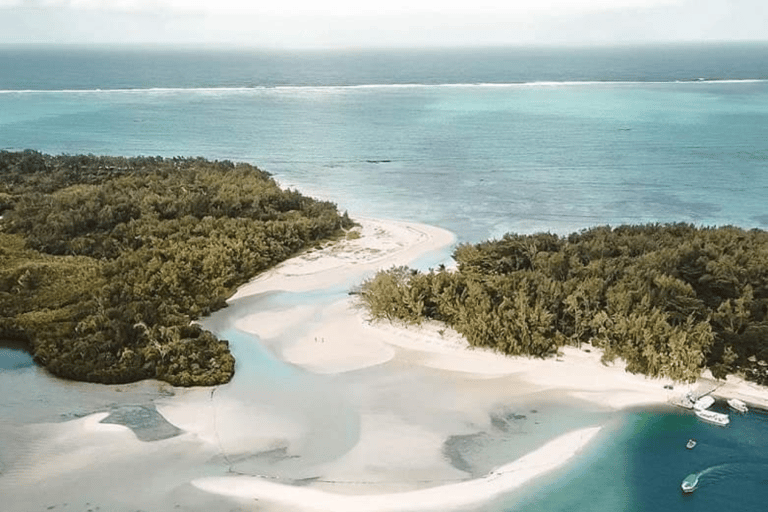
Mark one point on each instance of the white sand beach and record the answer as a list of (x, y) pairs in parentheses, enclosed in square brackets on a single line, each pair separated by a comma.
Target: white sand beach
[(399, 458), (381, 244), (359, 419), (343, 340), (442, 497), (346, 339)]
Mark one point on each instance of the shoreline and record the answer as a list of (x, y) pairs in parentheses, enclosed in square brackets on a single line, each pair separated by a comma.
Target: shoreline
[(382, 244), (506, 478), (396, 455), (344, 339), (374, 403)]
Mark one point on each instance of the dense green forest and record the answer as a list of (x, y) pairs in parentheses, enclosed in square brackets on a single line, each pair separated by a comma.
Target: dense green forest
[(106, 261), (670, 300)]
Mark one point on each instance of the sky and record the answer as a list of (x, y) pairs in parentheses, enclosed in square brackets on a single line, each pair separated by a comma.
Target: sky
[(379, 23)]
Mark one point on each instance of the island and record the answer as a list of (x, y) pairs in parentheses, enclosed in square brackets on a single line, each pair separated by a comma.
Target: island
[(106, 262), (670, 300)]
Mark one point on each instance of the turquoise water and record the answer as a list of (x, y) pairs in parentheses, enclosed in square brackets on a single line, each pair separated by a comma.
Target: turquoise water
[(14, 358), (636, 464), (478, 142), (505, 158), (642, 460)]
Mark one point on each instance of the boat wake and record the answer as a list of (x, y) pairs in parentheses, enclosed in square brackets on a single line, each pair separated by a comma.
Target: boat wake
[(723, 472)]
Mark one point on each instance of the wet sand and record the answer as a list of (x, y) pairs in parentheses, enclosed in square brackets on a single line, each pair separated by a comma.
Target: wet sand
[(441, 497)]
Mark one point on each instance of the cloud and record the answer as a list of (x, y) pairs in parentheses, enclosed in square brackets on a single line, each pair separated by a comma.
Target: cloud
[(76, 5), (391, 7), (343, 23), (342, 7)]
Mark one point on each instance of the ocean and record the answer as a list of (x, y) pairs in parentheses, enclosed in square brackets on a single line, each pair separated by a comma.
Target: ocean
[(478, 141)]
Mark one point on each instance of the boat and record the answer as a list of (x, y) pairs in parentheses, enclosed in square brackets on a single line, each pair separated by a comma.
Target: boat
[(704, 402), (713, 417), (690, 483), (737, 405), (684, 401), (690, 444)]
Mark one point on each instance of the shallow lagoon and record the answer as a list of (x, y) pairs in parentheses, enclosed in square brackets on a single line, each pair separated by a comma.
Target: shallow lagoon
[(322, 419)]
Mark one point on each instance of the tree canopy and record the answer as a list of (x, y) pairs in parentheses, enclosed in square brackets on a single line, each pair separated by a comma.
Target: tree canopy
[(669, 299), (105, 262)]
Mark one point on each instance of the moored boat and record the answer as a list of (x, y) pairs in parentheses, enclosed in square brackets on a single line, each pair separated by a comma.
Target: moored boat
[(690, 444), (704, 402), (737, 405), (690, 483), (713, 417)]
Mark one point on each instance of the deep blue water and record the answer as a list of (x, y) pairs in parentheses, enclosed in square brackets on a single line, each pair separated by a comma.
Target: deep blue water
[(71, 67), (480, 142), (642, 460)]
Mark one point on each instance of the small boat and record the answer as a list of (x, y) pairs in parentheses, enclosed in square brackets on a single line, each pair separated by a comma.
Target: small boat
[(704, 402), (690, 483), (685, 401), (690, 444), (713, 417), (737, 405)]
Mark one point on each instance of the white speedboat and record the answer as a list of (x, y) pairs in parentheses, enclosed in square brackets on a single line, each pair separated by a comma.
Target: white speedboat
[(737, 405), (704, 402), (690, 483), (691, 444), (713, 417)]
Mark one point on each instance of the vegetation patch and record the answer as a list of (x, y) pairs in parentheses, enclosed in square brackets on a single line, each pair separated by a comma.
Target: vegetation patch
[(669, 299), (106, 261)]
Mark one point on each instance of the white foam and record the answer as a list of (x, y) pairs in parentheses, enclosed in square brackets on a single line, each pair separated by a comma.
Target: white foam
[(332, 88)]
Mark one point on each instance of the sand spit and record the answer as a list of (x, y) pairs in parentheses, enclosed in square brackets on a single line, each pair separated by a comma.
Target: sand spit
[(443, 497)]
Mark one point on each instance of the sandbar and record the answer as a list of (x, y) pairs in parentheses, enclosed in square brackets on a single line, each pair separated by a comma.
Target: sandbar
[(441, 497)]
